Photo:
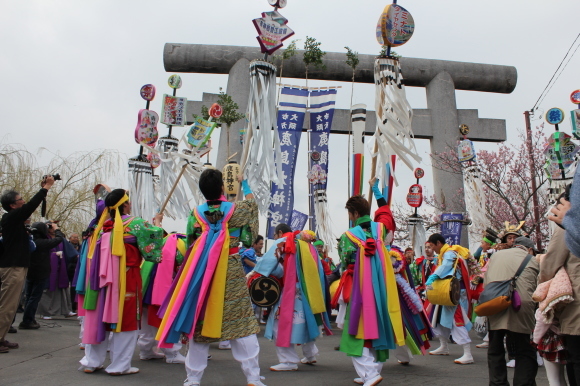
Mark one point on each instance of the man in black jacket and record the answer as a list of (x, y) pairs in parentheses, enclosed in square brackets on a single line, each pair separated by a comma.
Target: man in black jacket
[(39, 271), (15, 260)]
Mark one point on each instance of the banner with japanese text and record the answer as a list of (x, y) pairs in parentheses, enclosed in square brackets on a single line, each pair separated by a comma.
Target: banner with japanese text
[(321, 113), (298, 220), (451, 225), (291, 113)]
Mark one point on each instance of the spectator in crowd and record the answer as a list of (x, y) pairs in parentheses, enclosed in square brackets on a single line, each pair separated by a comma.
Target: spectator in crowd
[(567, 215), (15, 259), (559, 256), (56, 299), (516, 326), (38, 272)]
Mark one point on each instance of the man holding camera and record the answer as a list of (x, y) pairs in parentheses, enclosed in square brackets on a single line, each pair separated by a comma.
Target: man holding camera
[(15, 260)]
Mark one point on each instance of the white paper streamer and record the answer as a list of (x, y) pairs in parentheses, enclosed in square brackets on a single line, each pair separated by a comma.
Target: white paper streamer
[(394, 134), (257, 161), (141, 190), (475, 200)]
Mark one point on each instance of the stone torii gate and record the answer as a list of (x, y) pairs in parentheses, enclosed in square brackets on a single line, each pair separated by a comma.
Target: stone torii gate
[(439, 122)]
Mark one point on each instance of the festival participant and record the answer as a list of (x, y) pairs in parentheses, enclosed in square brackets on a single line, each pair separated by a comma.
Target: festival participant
[(511, 233), (453, 320), (422, 268), (56, 299), (300, 315), (409, 256), (482, 255), (113, 287), (326, 260), (218, 306), (250, 255), (157, 279), (374, 293)]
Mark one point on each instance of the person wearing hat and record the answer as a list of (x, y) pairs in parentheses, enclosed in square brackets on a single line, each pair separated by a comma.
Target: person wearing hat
[(516, 326), (511, 233)]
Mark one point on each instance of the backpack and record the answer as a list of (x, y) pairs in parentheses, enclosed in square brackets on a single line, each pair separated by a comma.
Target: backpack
[(498, 295)]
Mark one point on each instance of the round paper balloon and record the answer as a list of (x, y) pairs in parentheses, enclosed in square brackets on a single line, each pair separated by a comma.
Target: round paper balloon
[(396, 26), (148, 92), (575, 97), (174, 81), (278, 3), (154, 160), (215, 111), (554, 116), (419, 173)]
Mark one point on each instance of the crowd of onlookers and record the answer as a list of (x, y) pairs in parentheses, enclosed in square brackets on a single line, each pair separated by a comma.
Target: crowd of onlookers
[(37, 265)]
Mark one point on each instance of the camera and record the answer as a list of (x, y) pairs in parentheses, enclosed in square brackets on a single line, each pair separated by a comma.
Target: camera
[(29, 229), (55, 176)]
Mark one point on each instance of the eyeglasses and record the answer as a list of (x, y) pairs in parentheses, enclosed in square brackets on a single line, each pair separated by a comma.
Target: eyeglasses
[(20, 199)]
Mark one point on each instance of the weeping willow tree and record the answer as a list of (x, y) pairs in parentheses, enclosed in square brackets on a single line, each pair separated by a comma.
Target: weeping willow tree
[(70, 201)]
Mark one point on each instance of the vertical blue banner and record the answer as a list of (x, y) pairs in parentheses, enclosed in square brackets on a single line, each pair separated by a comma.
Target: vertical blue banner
[(321, 113), (451, 224), (291, 113)]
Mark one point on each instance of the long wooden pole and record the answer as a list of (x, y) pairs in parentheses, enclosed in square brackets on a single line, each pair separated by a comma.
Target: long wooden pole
[(173, 187)]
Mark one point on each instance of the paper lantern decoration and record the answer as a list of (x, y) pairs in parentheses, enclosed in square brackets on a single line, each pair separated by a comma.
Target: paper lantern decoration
[(415, 196), (215, 111), (154, 160), (560, 152), (230, 176), (419, 173), (174, 81), (395, 26), (465, 151), (146, 130), (575, 97), (554, 116), (278, 3), (148, 92)]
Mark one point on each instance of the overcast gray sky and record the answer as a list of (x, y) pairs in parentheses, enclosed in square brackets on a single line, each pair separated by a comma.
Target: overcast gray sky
[(70, 71)]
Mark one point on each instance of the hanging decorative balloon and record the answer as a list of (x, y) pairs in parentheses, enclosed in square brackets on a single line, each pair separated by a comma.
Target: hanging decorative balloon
[(148, 92), (154, 160), (316, 175), (174, 81), (395, 26)]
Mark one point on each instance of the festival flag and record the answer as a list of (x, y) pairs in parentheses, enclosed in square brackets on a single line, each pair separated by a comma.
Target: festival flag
[(291, 113), (321, 113), (298, 220)]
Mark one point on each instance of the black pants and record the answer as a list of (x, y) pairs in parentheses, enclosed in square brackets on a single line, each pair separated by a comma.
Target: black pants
[(34, 290), (572, 343), (526, 362)]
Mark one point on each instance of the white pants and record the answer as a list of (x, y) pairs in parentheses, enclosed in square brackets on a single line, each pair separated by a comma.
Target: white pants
[(403, 354), (122, 348), (366, 367), (147, 342), (245, 350), (460, 334), (288, 354)]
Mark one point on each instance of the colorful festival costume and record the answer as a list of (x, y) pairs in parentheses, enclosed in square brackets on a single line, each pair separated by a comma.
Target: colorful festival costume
[(300, 316), (209, 299), (421, 269), (110, 278), (373, 321), (454, 320), (157, 280)]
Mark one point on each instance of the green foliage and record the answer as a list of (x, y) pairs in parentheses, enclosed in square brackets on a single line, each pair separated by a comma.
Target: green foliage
[(313, 54), (230, 113), (352, 59), (383, 53), (290, 51)]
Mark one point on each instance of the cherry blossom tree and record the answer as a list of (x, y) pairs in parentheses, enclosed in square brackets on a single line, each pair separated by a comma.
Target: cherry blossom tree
[(507, 174)]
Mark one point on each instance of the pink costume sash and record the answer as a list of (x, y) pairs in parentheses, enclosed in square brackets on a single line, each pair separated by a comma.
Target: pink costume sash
[(109, 278), (164, 276)]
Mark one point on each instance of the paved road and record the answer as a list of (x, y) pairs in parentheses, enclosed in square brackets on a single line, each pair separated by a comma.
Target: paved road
[(50, 355)]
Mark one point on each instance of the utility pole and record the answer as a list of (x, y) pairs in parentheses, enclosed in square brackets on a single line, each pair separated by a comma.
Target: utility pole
[(533, 175)]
